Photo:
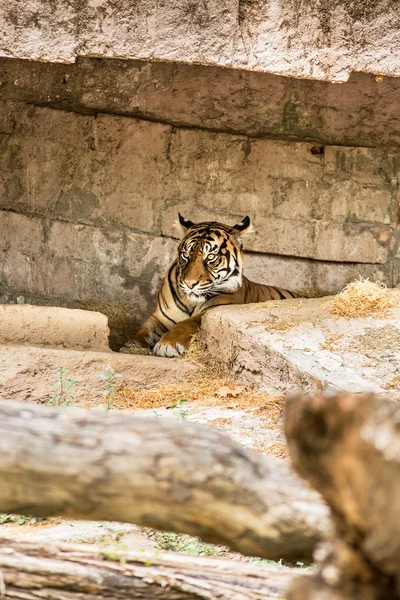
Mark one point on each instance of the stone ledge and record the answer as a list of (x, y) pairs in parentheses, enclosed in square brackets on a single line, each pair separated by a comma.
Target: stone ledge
[(53, 326), (298, 345), (29, 374)]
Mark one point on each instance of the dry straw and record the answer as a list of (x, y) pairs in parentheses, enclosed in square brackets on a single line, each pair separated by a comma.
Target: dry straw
[(362, 298), (208, 392), (213, 386)]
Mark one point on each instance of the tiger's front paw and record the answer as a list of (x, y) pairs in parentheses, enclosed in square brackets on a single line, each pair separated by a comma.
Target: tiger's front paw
[(171, 345), (176, 341)]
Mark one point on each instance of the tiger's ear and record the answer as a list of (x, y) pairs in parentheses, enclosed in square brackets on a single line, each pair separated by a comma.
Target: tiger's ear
[(185, 223), (242, 227)]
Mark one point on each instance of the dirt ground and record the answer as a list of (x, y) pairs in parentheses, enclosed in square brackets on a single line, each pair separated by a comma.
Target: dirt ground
[(204, 396)]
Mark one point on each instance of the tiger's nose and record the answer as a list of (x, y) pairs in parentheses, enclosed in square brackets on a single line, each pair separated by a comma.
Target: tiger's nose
[(191, 284)]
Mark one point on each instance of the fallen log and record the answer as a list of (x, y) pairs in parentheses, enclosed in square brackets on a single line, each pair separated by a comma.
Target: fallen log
[(348, 447), (81, 572), (157, 473)]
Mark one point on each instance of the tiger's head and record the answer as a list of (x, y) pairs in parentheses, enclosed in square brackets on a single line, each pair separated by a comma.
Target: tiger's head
[(210, 259)]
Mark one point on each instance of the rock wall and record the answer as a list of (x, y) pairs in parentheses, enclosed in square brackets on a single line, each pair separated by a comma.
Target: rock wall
[(318, 40), (96, 159), (364, 111)]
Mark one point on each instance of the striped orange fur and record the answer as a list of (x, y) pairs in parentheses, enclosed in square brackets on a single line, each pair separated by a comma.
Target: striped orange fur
[(207, 272)]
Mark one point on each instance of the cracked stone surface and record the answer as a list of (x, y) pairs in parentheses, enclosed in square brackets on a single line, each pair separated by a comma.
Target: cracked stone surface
[(299, 345), (316, 41)]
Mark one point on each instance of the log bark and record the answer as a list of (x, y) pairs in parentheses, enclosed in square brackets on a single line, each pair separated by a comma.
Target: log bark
[(157, 473), (348, 447), (69, 572)]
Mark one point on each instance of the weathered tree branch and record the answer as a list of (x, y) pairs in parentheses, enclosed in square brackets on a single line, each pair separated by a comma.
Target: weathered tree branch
[(156, 473), (348, 447), (69, 572)]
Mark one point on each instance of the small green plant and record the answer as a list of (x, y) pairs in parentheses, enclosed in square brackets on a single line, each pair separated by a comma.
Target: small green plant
[(178, 402), (280, 563), (109, 378), (19, 519), (169, 541), (114, 554), (301, 565), (176, 407), (266, 561), (111, 535), (64, 397), (111, 549), (185, 544), (151, 557), (183, 415)]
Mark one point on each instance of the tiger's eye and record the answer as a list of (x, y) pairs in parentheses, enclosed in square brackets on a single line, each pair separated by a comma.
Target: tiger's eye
[(212, 257)]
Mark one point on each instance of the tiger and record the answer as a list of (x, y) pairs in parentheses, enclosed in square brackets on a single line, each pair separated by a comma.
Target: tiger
[(207, 272)]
